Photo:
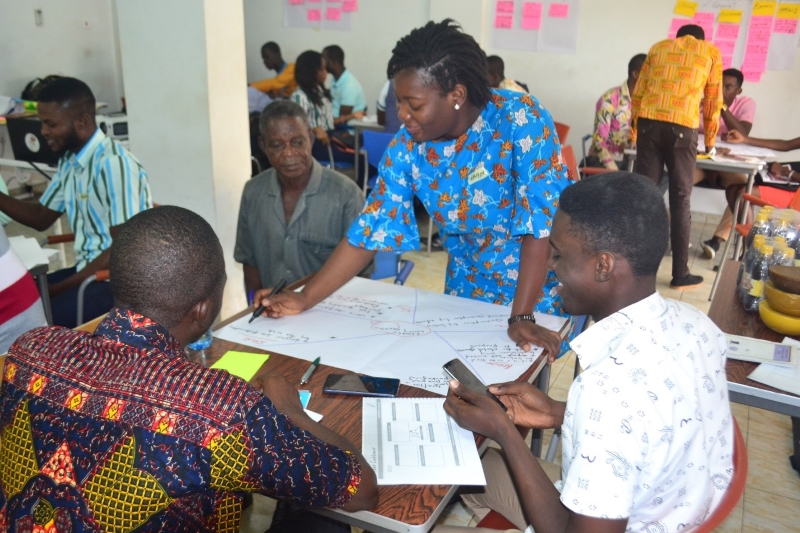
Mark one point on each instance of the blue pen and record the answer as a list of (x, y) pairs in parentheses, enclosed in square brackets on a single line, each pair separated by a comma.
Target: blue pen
[(250, 296)]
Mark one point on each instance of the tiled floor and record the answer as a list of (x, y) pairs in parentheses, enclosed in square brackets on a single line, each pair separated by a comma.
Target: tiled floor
[(772, 496)]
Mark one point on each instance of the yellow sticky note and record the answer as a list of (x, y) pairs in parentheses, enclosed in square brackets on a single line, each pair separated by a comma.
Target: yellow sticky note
[(241, 364), (730, 16), (686, 8), (763, 9), (789, 11)]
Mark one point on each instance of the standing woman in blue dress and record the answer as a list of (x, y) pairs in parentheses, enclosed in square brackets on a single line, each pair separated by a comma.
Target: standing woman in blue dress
[(487, 166)]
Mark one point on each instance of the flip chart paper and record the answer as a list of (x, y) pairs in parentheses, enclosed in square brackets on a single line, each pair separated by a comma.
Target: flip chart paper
[(314, 15), (763, 9), (789, 11), (675, 25), (685, 8), (398, 332), (733, 16), (506, 7), (727, 31), (785, 26), (333, 13), (706, 21), (558, 11), (504, 22), (348, 6), (241, 364), (412, 441)]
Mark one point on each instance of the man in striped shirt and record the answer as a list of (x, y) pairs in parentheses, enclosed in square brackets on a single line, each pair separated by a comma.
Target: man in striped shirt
[(99, 185), (20, 307)]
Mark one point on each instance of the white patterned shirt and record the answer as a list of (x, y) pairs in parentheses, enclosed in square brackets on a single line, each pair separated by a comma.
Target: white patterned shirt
[(647, 431)]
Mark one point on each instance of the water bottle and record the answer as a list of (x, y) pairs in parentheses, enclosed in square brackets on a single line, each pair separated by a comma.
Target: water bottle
[(782, 256), (785, 227), (743, 278), (758, 277), (196, 351), (760, 227)]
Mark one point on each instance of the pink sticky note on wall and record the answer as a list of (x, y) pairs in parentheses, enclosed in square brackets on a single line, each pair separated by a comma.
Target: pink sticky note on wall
[(558, 11), (726, 62), (314, 1), (703, 18), (348, 6), (785, 26), (333, 13), (532, 23), (727, 31), (725, 47), (760, 23), (532, 9), (752, 76), (505, 7), (314, 15), (503, 22), (296, 2)]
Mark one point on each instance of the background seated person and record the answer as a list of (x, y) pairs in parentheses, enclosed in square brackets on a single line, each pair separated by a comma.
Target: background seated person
[(346, 92), (20, 306), (497, 76), (737, 114), (98, 183), (647, 428), (283, 84), (612, 122), (387, 109), (124, 408), (293, 215)]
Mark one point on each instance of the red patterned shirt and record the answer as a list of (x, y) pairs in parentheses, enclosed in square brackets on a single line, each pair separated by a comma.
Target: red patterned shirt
[(119, 432)]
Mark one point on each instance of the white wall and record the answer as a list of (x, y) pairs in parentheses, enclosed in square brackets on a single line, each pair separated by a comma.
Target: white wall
[(64, 45), (610, 33)]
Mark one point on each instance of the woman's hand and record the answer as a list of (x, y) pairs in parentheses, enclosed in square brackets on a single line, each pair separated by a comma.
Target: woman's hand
[(283, 303), (525, 333), (322, 136)]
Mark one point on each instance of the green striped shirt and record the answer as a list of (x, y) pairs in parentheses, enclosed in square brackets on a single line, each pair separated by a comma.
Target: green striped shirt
[(101, 186)]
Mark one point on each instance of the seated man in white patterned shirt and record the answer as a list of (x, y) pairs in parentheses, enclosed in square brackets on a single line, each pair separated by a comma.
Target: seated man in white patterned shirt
[(647, 427)]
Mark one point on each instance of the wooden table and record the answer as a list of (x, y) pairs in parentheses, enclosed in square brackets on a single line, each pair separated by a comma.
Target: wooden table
[(401, 508), (728, 314)]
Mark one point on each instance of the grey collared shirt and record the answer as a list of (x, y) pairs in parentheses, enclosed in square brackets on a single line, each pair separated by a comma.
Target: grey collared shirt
[(320, 220)]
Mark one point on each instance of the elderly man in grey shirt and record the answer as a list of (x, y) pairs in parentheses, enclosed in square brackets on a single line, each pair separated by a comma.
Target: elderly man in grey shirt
[(293, 215)]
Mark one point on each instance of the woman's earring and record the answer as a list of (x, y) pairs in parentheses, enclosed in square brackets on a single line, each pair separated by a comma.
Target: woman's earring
[(457, 107)]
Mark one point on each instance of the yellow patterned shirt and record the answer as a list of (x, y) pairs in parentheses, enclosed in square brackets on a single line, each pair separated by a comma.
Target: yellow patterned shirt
[(678, 76)]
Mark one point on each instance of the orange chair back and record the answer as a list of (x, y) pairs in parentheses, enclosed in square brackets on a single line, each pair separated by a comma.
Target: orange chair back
[(568, 156), (562, 130), (795, 202)]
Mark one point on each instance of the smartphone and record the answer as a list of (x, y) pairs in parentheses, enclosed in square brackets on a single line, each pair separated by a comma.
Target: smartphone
[(361, 385), (457, 370)]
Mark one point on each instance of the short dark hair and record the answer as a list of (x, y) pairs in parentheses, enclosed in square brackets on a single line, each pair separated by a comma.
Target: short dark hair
[(622, 213), (636, 63), (734, 73), (334, 53), (281, 109), (496, 65), (163, 262), (272, 46), (448, 56), (692, 29), (69, 92), (305, 74)]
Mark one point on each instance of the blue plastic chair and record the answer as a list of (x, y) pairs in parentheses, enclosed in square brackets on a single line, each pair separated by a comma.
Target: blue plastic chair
[(389, 264), (374, 146)]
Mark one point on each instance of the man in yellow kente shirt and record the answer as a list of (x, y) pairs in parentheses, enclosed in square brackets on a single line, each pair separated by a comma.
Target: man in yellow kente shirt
[(677, 76)]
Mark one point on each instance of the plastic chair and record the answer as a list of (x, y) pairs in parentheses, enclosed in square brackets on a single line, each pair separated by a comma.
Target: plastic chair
[(373, 148), (742, 230), (733, 494), (389, 264), (330, 163), (568, 156), (589, 171), (562, 130)]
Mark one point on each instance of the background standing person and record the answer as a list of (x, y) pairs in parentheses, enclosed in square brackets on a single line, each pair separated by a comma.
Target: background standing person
[(486, 165)]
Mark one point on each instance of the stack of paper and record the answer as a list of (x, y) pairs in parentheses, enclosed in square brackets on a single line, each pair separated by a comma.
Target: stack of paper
[(781, 377)]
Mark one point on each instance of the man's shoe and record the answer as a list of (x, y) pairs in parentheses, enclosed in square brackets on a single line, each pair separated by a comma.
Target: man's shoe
[(689, 282), (710, 248)]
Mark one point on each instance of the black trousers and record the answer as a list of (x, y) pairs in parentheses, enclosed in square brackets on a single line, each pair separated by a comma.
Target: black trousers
[(664, 143)]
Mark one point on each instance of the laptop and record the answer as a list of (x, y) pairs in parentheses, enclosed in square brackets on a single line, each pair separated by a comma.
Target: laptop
[(27, 141)]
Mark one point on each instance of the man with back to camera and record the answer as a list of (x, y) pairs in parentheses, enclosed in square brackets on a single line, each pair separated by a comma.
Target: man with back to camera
[(294, 214), (647, 428), (119, 431), (283, 84), (99, 184), (346, 92), (676, 77), (612, 121), (737, 114)]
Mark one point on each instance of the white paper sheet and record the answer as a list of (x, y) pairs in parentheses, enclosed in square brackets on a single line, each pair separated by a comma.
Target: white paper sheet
[(783, 378), (744, 150), (393, 331), (412, 441), (29, 251)]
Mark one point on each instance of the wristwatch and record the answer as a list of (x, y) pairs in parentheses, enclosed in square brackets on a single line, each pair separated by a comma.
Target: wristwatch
[(724, 107), (520, 318)]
